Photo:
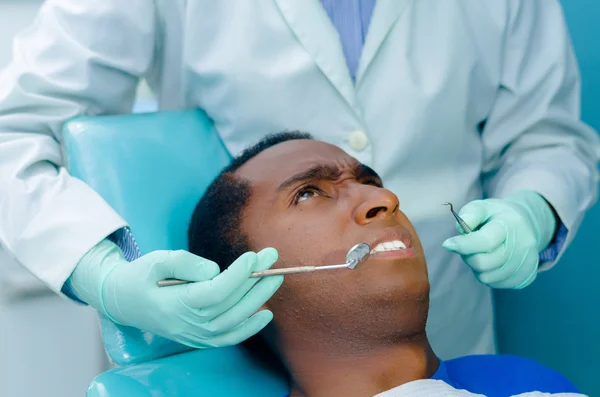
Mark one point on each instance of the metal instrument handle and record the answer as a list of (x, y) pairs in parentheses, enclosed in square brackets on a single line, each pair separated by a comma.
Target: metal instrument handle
[(171, 281), (265, 273), (289, 270)]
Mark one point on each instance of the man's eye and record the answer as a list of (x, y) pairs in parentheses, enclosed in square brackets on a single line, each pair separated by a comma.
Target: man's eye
[(307, 193)]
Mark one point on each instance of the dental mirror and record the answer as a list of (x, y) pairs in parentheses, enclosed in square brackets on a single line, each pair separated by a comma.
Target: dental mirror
[(357, 255)]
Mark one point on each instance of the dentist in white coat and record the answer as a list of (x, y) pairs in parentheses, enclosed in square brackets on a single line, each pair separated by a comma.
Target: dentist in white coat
[(448, 100)]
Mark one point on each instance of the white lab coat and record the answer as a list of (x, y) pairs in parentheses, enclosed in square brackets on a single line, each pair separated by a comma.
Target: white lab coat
[(431, 73)]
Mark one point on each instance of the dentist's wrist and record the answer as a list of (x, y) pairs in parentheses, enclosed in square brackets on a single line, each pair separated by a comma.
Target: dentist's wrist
[(539, 213), (87, 278)]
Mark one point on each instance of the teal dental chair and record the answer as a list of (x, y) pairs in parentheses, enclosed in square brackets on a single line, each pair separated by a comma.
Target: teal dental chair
[(152, 168)]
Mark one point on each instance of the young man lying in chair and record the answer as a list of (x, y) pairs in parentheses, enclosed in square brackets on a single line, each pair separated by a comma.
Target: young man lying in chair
[(340, 332)]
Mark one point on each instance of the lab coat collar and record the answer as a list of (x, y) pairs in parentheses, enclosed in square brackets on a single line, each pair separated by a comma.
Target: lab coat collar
[(315, 31), (385, 15)]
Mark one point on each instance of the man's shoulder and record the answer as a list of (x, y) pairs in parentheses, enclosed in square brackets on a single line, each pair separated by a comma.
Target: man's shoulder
[(510, 373)]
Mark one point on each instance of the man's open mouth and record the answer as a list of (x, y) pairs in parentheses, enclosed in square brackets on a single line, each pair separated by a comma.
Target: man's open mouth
[(386, 246)]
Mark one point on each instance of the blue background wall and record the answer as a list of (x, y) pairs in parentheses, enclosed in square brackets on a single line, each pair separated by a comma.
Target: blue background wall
[(557, 319)]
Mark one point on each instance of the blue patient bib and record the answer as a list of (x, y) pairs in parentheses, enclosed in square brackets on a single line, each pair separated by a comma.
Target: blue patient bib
[(501, 376)]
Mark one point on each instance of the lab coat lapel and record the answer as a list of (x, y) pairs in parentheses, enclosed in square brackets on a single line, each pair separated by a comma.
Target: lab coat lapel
[(315, 31), (385, 15)]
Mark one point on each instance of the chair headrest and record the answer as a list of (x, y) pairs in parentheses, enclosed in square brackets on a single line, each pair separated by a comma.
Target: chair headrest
[(152, 169)]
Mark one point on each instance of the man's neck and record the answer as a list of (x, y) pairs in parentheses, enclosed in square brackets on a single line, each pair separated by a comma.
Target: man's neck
[(320, 372)]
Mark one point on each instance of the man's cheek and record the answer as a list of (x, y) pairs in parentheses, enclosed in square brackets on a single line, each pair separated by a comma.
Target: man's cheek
[(288, 301)]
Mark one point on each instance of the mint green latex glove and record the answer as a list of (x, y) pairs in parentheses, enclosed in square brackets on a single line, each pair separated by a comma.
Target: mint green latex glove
[(503, 250), (219, 309)]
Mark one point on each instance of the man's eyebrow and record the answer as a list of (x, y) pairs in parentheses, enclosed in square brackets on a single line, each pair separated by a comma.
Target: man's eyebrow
[(318, 172)]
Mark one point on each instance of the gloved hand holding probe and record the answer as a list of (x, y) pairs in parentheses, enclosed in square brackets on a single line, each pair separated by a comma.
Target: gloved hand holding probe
[(508, 236)]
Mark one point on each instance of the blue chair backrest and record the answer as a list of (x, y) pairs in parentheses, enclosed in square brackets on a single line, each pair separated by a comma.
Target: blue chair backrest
[(152, 169), (557, 319)]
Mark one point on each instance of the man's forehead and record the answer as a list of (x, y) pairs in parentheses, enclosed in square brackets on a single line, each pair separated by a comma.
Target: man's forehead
[(285, 159)]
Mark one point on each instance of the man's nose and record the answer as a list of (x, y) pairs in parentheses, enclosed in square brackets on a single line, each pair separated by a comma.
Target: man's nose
[(378, 204)]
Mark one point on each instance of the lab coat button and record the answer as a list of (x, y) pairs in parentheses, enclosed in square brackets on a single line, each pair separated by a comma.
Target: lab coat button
[(358, 140)]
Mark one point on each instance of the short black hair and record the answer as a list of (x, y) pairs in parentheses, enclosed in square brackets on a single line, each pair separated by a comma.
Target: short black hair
[(214, 232)]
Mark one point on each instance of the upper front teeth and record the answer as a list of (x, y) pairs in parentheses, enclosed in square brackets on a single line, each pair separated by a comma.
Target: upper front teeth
[(389, 246)]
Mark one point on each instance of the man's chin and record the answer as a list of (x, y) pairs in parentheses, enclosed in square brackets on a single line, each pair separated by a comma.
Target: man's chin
[(404, 316)]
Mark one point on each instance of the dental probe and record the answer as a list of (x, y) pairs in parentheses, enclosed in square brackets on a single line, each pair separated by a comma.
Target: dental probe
[(356, 255), (460, 220)]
